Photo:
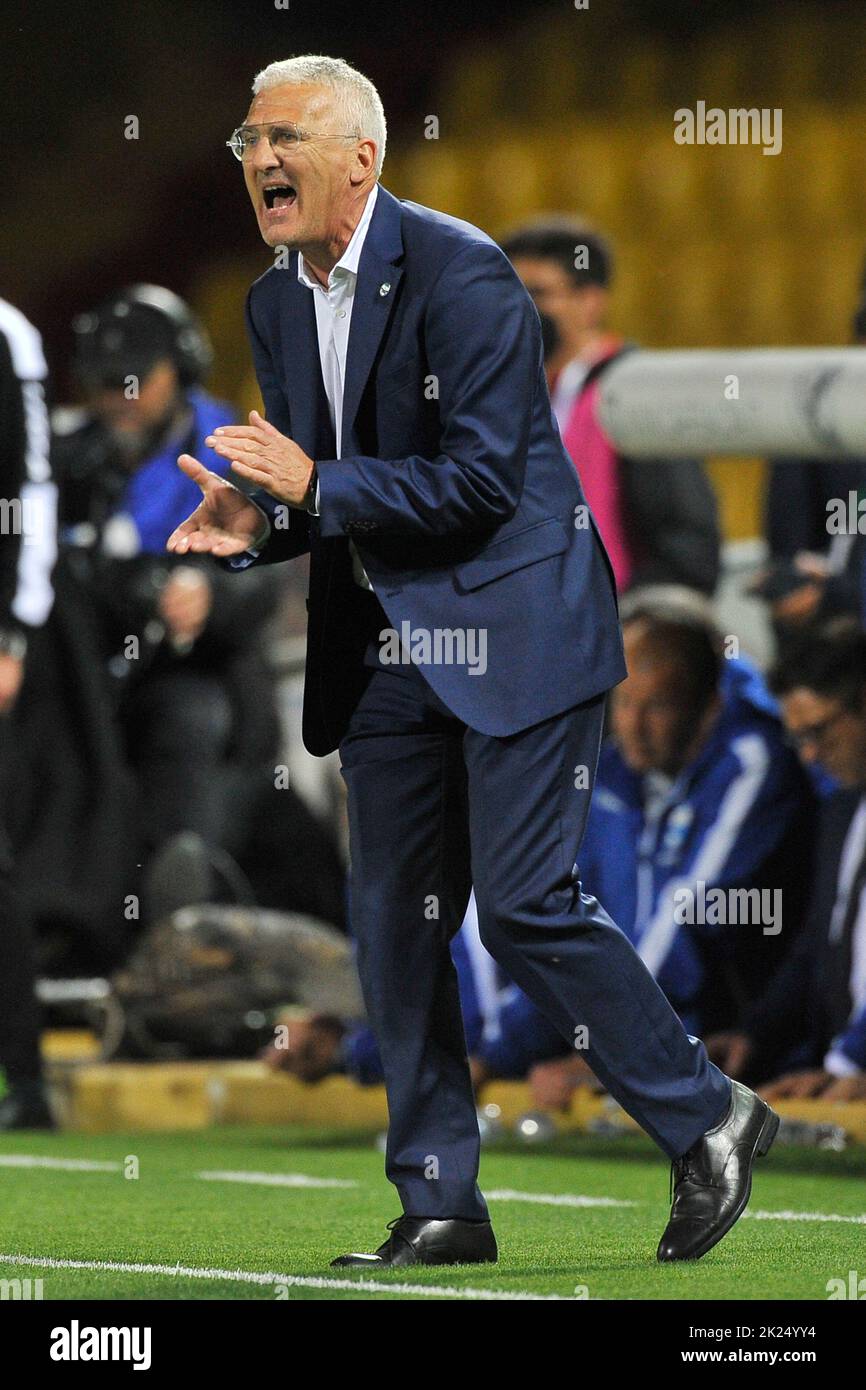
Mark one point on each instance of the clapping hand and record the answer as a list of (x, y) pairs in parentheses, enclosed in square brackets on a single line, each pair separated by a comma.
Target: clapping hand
[(224, 523), (259, 453)]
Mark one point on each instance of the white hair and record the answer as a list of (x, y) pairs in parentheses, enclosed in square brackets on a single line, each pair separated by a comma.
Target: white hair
[(357, 103)]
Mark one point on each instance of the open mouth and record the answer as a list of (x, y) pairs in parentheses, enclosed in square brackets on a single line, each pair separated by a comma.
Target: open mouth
[(279, 195)]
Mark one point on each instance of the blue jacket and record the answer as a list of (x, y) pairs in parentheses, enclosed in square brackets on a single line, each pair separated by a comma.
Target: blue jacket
[(735, 818), (158, 497), (454, 485)]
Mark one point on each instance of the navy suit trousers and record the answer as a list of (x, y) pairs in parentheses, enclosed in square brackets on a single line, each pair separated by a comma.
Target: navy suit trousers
[(436, 808)]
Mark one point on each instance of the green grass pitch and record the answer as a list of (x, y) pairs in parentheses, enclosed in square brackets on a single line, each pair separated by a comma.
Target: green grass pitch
[(171, 1218)]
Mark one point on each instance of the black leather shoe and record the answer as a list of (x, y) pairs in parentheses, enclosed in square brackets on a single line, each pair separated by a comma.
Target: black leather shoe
[(420, 1240), (714, 1177)]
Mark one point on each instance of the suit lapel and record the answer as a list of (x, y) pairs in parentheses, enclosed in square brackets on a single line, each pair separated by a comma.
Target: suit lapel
[(308, 404), (375, 294), (373, 303)]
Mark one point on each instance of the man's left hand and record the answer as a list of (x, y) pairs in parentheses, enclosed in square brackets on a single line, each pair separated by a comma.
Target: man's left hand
[(259, 453)]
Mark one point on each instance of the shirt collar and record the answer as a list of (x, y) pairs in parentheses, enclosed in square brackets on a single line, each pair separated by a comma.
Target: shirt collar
[(351, 257)]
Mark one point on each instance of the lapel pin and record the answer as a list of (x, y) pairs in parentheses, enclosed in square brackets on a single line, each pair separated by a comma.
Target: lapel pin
[(383, 289)]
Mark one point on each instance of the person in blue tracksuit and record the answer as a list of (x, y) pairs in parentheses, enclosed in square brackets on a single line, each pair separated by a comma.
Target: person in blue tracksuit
[(179, 646), (698, 796)]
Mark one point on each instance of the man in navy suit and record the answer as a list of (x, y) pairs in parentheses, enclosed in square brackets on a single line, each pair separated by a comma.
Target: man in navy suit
[(463, 633)]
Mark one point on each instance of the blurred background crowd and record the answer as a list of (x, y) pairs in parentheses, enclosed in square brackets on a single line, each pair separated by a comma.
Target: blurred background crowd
[(151, 754)]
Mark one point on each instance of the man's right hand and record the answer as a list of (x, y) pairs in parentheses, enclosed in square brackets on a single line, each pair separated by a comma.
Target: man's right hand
[(225, 522)]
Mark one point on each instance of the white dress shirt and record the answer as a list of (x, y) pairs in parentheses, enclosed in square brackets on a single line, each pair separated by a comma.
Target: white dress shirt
[(333, 304)]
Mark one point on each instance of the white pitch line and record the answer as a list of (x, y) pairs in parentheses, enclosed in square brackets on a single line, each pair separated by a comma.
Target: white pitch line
[(276, 1179), (555, 1199), (804, 1216), (296, 1281), (304, 1180), (72, 1165), (504, 1194)]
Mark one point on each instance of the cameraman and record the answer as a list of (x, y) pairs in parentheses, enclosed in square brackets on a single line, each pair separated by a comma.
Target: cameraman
[(180, 642)]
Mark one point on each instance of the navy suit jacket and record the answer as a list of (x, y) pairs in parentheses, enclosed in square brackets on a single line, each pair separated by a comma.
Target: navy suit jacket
[(454, 485)]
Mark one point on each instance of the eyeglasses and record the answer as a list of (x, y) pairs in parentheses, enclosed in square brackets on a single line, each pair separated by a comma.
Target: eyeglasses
[(283, 138)]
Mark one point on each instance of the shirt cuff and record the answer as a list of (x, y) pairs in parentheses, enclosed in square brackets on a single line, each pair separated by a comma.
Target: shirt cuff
[(313, 508), (241, 562), (250, 555)]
